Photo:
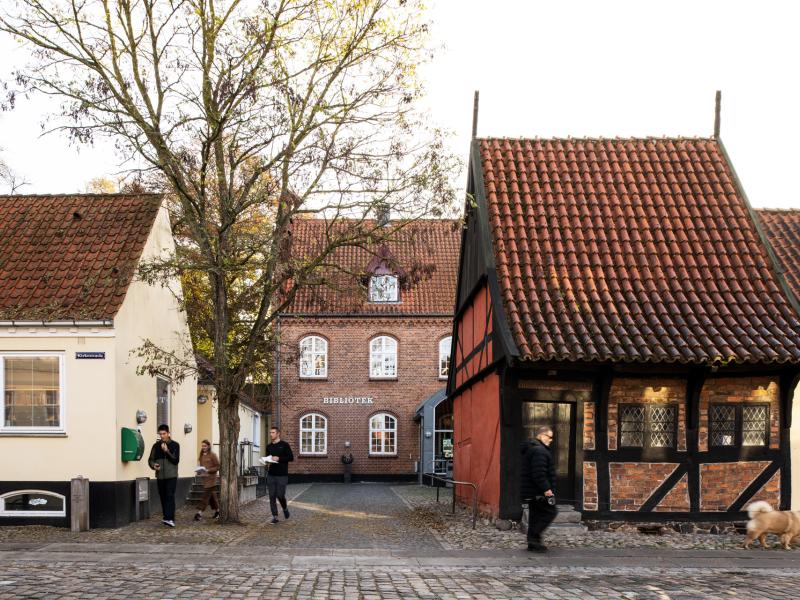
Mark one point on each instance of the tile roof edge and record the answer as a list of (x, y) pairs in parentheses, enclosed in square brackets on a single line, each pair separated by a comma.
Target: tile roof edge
[(511, 350), (766, 209), (597, 138), (777, 269)]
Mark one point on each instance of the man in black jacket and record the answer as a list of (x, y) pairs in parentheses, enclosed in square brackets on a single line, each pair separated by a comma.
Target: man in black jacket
[(279, 454), (538, 486), (164, 458)]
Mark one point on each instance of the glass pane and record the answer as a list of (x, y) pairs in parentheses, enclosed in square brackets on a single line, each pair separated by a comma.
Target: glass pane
[(631, 426), (723, 425), (754, 425), (662, 426), (32, 392), (33, 501)]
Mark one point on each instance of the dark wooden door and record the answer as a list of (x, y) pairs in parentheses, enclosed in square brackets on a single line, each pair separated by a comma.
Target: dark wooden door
[(560, 417)]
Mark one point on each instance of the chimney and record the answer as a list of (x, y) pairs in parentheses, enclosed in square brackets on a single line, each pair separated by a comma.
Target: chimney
[(475, 114), (717, 109), (382, 213)]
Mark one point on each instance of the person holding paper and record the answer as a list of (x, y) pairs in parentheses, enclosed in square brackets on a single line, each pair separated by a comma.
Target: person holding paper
[(208, 469), (279, 455)]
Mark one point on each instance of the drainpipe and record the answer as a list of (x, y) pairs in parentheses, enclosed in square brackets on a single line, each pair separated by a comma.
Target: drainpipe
[(276, 408)]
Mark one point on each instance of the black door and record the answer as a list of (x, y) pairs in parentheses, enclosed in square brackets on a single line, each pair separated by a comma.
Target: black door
[(560, 417)]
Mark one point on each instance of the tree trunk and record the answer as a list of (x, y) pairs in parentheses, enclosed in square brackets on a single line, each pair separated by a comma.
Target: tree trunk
[(228, 411)]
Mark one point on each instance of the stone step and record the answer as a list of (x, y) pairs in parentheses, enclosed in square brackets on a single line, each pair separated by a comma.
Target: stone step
[(567, 514), (567, 528)]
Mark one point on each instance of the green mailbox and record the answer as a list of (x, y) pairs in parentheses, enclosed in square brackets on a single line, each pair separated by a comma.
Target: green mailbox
[(132, 444)]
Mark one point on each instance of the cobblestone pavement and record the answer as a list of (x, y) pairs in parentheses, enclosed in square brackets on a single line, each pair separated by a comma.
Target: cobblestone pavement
[(138, 576), (457, 530)]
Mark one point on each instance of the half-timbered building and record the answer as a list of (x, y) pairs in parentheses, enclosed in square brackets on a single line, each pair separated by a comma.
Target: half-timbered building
[(621, 292)]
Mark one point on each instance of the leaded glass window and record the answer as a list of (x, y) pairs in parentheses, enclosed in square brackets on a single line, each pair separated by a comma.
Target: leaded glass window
[(739, 424), (755, 425), (647, 425), (722, 418)]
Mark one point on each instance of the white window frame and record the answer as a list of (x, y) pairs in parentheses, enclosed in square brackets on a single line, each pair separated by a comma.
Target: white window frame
[(32, 513), (256, 421), (383, 429), (314, 340), (62, 394), (378, 284), (313, 430), (382, 353), (444, 344)]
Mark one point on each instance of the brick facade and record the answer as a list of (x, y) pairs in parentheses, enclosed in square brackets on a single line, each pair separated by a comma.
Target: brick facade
[(589, 485), (632, 483), (722, 483), (348, 376), (677, 500)]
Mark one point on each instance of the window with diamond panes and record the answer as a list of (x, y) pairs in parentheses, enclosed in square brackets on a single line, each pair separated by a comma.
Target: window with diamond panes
[(722, 418), (735, 425), (647, 425)]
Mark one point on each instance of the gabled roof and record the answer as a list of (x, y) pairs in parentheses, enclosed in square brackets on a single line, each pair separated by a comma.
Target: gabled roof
[(782, 228), (70, 256), (631, 250), (424, 253)]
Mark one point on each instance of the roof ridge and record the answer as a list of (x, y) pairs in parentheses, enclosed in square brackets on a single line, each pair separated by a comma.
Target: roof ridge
[(82, 195), (599, 138)]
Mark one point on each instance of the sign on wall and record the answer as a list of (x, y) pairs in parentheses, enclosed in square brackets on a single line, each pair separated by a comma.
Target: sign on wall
[(348, 400), (95, 355)]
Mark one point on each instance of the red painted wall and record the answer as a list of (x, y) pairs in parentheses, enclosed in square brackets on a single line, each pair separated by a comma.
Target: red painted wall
[(476, 416), (474, 327)]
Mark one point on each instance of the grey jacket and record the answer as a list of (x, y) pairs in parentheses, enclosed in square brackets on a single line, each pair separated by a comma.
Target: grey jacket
[(168, 461)]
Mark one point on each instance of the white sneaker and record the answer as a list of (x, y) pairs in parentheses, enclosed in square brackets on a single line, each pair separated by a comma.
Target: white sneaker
[(170, 523)]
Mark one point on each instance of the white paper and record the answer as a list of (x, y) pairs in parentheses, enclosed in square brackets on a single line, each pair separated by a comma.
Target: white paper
[(267, 460), (201, 470)]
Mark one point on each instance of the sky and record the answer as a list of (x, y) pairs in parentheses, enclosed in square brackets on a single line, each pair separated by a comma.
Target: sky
[(556, 69)]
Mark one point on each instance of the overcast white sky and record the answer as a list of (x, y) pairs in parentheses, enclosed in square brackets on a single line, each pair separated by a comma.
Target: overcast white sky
[(559, 68)]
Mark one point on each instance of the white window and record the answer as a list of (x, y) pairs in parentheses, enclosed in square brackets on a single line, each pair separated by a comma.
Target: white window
[(256, 430), (32, 503), (33, 393), (444, 357), (313, 357), (383, 357), (162, 402), (384, 288), (382, 434), (313, 434)]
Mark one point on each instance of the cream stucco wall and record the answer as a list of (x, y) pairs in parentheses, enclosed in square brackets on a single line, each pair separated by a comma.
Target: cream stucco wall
[(87, 447), (209, 422), (153, 313)]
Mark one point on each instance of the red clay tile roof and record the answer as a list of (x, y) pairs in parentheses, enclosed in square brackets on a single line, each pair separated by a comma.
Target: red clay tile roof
[(423, 253), (783, 231), (631, 250), (70, 257)]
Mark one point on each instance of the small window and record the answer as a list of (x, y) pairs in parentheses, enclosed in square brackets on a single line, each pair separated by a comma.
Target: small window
[(32, 503), (32, 392), (313, 357), (383, 357), (444, 357), (313, 434), (384, 288), (648, 425), (256, 430), (162, 402), (383, 434), (735, 425)]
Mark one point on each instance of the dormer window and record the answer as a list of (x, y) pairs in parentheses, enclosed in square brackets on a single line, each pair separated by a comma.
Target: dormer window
[(384, 288)]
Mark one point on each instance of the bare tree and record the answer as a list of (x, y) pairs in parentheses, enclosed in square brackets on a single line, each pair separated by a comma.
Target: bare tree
[(253, 112), (10, 178)]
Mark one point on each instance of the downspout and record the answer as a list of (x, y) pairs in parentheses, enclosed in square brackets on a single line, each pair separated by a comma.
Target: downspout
[(276, 409)]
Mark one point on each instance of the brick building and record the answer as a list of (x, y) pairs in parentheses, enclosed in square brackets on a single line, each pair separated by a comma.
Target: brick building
[(621, 292), (363, 347)]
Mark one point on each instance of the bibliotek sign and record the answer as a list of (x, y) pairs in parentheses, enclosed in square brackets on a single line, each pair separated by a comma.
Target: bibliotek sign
[(348, 400)]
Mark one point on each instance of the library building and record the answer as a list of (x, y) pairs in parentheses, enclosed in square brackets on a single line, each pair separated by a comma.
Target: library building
[(362, 364)]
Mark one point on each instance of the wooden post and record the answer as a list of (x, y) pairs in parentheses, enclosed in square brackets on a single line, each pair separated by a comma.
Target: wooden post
[(79, 504)]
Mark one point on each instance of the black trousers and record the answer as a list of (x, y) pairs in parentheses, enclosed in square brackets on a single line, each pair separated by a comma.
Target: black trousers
[(540, 515), (276, 485), (166, 492)]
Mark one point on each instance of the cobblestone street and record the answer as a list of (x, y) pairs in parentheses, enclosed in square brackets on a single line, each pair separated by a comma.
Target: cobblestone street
[(370, 541)]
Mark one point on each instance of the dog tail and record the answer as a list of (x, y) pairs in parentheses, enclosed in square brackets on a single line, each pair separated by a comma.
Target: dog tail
[(757, 508)]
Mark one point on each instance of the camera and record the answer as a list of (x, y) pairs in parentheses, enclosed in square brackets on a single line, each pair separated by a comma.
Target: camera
[(551, 500)]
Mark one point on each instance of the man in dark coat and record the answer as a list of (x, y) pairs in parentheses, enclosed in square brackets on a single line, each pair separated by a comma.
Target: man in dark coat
[(538, 486)]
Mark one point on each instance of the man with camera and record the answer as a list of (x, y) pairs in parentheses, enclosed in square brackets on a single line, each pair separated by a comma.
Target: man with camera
[(164, 457), (538, 486)]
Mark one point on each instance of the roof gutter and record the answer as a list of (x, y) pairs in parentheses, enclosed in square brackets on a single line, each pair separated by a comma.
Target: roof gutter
[(62, 323)]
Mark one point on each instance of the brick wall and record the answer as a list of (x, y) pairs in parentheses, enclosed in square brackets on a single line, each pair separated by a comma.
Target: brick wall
[(589, 486), (588, 426), (677, 500), (632, 483), (646, 391), (348, 375), (722, 483), (737, 390)]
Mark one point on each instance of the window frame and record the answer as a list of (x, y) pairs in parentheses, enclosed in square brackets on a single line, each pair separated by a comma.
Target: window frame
[(313, 430), (383, 354), (648, 432), (449, 340), (168, 422), (738, 427), (32, 513), (313, 337), (370, 287), (62, 395), (383, 429)]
